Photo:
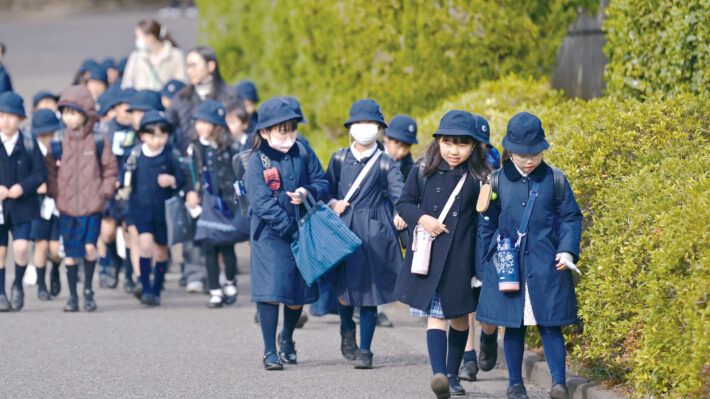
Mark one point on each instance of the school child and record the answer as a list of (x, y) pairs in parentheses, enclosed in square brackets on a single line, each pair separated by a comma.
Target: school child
[(237, 121), (155, 178), (211, 156), (274, 192), (367, 277), (111, 69), (22, 171), (451, 174), (169, 90), (484, 133), (96, 81), (400, 136), (105, 108), (44, 99), (246, 91), (5, 82), (80, 184), (536, 199), (45, 229)]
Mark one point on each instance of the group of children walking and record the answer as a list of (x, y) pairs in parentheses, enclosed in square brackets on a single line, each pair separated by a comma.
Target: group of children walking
[(99, 158)]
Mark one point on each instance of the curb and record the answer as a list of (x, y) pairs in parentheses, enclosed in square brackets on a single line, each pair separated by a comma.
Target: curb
[(535, 370)]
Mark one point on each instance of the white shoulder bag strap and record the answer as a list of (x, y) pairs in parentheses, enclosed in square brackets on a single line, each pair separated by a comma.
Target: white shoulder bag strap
[(361, 176), (452, 198)]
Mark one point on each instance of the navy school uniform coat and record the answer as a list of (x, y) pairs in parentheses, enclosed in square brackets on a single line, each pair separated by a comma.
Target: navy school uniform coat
[(147, 200), (28, 170), (274, 275), (367, 277), (452, 255), (551, 291)]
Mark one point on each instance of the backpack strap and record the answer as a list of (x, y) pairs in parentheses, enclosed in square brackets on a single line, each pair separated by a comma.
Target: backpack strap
[(338, 162), (385, 162), (559, 180), (28, 141), (421, 179), (493, 178)]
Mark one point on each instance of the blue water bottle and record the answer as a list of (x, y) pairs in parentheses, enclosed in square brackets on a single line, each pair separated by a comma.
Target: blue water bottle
[(507, 268)]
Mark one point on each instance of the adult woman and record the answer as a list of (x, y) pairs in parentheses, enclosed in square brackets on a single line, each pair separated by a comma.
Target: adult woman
[(156, 59)]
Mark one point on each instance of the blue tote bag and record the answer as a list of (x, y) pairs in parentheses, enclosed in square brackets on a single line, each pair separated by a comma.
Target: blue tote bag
[(323, 240)]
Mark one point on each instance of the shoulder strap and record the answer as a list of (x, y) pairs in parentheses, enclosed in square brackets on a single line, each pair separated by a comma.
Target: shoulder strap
[(522, 231), (493, 180), (421, 180), (132, 160), (452, 198), (385, 162), (29, 143), (361, 176), (559, 181), (338, 162)]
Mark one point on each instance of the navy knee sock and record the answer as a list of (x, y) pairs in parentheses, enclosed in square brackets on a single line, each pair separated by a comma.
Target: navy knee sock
[(514, 346), (291, 317), (2, 281), (41, 283), (145, 265), (368, 322), (554, 344), (470, 356), (89, 266), (489, 339), (159, 277), (19, 274), (436, 344), (112, 253), (346, 317), (457, 344), (127, 265), (268, 320), (55, 269), (72, 278)]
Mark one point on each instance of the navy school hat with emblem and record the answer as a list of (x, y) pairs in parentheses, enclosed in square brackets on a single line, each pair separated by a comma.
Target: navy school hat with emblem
[(211, 111), (41, 95), (402, 128), (456, 123), (296, 105), (274, 111), (246, 89), (525, 135), (365, 110), (171, 88), (12, 103), (482, 131), (106, 101), (153, 116), (44, 121), (145, 100)]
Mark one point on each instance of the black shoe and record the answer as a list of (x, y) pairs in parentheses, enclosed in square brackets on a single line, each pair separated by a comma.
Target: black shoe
[(17, 298), (230, 293), (488, 355), (287, 351), (147, 299), (183, 281), (43, 294), (302, 320), (272, 362), (383, 320), (517, 391), (348, 345), (468, 371), (363, 360), (440, 386), (455, 388), (72, 304), (111, 277), (54, 285), (138, 290), (89, 304), (129, 286), (4, 303), (559, 391)]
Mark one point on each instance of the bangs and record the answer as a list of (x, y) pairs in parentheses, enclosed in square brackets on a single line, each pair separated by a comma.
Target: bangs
[(288, 126), (457, 139), (150, 128)]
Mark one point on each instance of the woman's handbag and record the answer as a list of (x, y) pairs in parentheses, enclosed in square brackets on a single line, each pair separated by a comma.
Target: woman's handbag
[(506, 259), (323, 240), (421, 245)]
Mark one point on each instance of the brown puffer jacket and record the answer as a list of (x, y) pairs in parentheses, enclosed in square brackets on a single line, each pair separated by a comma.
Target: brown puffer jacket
[(78, 184)]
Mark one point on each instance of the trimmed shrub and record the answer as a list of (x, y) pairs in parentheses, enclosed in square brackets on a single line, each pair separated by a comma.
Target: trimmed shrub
[(657, 47)]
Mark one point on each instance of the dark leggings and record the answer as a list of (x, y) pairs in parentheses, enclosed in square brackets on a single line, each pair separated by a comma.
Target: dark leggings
[(212, 259)]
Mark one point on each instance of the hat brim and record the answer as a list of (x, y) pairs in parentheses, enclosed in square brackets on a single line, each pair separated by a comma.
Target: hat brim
[(210, 119), (363, 118), (525, 148), (482, 139), (13, 110), (454, 132), (46, 129), (399, 136), (276, 120)]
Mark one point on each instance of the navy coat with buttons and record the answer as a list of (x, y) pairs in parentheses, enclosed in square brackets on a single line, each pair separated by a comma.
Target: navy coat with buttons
[(218, 162), (147, 200), (274, 275), (452, 255), (26, 169), (551, 291), (368, 275)]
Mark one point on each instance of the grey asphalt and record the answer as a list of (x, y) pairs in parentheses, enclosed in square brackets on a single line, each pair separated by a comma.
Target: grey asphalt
[(180, 349)]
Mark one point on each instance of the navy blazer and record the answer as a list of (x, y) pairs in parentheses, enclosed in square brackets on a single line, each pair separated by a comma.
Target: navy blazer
[(551, 291), (29, 172)]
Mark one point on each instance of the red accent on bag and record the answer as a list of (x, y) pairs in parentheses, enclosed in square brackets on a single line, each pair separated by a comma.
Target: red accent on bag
[(272, 178)]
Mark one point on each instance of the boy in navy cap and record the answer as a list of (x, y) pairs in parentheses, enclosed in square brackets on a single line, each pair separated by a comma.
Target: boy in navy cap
[(169, 90), (44, 100), (483, 134), (97, 81), (21, 173), (5, 83), (246, 91), (400, 135), (45, 228)]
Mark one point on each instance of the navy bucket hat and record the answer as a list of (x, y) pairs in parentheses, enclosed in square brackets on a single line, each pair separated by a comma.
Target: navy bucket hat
[(402, 128), (145, 100), (41, 95), (365, 110), (12, 103), (525, 135), (456, 123), (153, 116), (44, 121), (246, 89), (211, 111), (88, 64), (171, 88), (106, 101), (97, 72), (125, 95), (482, 131), (274, 111), (296, 105)]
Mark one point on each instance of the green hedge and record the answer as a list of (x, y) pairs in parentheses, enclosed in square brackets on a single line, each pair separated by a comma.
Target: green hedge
[(641, 173), (408, 55), (658, 47)]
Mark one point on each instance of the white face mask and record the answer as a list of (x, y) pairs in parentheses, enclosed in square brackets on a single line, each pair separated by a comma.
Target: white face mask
[(364, 133), (281, 145), (140, 44)]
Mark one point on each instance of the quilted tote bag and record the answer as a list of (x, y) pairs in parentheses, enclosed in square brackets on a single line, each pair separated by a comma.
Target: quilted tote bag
[(217, 225), (323, 240)]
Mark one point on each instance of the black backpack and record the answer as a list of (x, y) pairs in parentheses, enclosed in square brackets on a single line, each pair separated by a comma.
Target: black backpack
[(384, 167)]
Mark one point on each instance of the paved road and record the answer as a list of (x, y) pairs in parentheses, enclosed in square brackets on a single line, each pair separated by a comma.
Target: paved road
[(180, 349)]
